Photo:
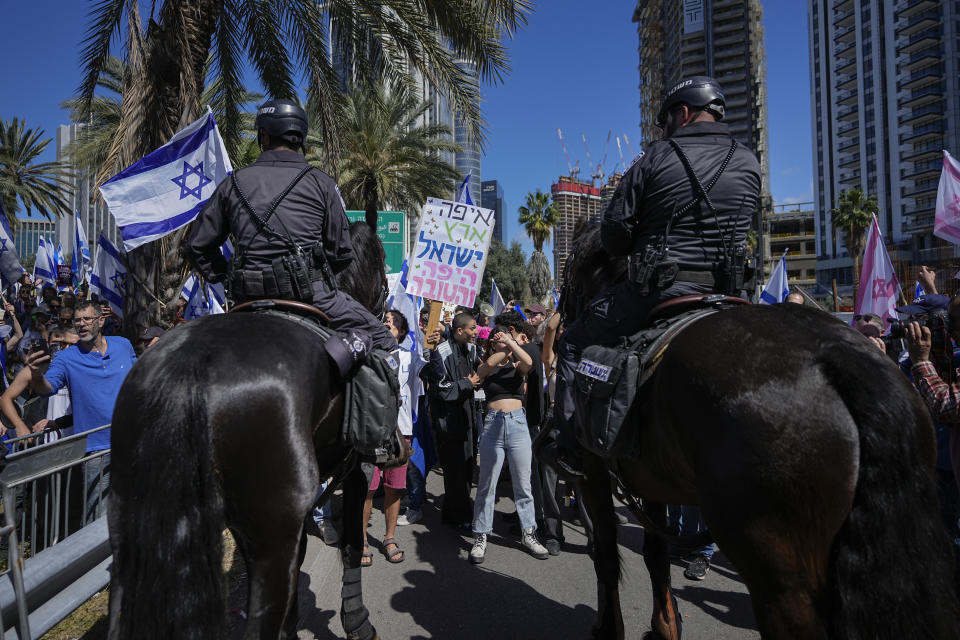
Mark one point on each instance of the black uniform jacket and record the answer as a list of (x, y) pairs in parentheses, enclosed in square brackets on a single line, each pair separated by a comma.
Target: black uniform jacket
[(312, 211), (658, 182)]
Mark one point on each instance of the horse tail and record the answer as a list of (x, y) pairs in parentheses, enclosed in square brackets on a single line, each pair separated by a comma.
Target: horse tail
[(891, 565), (167, 513)]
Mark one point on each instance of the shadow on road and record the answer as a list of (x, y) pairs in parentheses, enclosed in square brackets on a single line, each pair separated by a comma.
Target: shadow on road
[(475, 602)]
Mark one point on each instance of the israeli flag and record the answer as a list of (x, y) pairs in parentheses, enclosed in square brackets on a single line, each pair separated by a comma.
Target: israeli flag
[(203, 301), (44, 268), (81, 252), (463, 193), (777, 288), (109, 275), (167, 188), (406, 304), (556, 298), (496, 300), (917, 291), (10, 268)]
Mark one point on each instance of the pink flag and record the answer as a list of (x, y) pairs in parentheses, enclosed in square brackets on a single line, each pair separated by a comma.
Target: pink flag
[(947, 223), (879, 286)]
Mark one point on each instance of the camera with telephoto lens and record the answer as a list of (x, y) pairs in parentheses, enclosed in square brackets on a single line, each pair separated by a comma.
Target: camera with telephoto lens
[(938, 323)]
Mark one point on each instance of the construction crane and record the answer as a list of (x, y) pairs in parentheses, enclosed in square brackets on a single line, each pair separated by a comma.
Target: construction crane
[(627, 140), (593, 176), (603, 161), (574, 168)]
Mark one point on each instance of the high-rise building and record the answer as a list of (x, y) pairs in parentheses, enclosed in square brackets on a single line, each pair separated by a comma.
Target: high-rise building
[(84, 200), (718, 38), (468, 160), (576, 202), (491, 197), (26, 237), (607, 190), (885, 97), (788, 229)]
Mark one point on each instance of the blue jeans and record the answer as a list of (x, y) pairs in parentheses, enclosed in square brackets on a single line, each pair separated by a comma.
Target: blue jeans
[(323, 513), (504, 434), (689, 522), (416, 488)]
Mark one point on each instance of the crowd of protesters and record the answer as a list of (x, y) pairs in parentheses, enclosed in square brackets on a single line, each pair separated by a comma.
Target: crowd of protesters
[(473, 409)]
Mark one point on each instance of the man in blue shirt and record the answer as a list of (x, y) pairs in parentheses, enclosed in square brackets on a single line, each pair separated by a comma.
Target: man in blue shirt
[(93, 369)]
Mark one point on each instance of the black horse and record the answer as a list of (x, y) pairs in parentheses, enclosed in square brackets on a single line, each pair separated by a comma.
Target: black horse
[(231, 420), (811, 459)]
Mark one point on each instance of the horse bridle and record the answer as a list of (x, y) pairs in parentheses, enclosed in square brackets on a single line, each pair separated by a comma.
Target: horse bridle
[(379, 307)]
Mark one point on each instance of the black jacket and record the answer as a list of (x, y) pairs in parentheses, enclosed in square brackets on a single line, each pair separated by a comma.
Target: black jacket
[(658, 182), (312, 211), (449, 390)]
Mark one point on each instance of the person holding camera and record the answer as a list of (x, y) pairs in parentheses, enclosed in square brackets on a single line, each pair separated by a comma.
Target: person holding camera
[(939, 384), (94, 369)]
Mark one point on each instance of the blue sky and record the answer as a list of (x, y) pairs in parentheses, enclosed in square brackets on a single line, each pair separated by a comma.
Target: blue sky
[(574, 67)]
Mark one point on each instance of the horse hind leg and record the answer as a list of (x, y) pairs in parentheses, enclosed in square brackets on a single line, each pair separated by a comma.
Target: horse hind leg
[(273, 565), (594, 490), (665, 621)]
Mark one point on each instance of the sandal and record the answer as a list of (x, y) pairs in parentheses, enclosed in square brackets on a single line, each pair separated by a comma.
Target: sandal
[(392, 555), (366, 558)]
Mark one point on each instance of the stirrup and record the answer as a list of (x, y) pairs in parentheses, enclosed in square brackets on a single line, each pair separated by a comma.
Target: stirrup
[(568, 465)]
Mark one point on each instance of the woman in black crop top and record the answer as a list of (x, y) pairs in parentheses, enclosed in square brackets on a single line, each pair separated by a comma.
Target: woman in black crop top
[(504, 434)]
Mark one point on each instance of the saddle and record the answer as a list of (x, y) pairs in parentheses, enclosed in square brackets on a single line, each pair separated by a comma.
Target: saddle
[(609, 378)]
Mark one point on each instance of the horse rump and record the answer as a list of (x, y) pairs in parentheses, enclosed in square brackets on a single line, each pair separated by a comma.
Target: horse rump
[(891, 564), (166, 513)]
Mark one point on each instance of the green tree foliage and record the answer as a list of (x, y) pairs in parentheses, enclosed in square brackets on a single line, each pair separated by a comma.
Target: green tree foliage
[(508, 268), (101, 121), (539, 216), (390, 159), (852, 216), (165, 55), (37, 185)]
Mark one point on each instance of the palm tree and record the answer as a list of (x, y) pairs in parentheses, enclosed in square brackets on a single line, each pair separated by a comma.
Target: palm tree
[(388, 157), (89, 152), (165, 58), (38, 185), (539, 216), (852, 216)]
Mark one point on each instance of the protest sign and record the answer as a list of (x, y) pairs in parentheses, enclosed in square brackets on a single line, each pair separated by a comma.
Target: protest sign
[(64, 275), (451, 251)]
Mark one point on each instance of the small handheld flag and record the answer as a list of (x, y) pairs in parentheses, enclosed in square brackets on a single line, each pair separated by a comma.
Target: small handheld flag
[(777, 288)]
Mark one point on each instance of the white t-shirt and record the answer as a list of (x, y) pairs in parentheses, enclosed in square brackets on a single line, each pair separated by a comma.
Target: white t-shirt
[(405, 417)]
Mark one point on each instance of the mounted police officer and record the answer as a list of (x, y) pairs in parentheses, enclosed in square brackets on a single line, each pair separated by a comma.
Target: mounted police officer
[(292, 234), (681, 214)]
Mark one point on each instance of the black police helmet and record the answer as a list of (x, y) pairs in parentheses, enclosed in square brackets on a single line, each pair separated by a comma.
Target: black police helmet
[(699, 92), (282, 118)]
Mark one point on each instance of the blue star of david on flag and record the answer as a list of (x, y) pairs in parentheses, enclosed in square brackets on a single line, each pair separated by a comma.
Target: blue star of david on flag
[(3, 245), (117, 278), (181, 180)]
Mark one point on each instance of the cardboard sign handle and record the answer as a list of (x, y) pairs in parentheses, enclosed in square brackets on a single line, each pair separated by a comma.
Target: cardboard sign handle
[(436, 309)]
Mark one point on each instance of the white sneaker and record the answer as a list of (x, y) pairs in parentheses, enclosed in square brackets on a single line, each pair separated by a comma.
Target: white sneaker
[(531, 544), (411, 516), (479, 548), (328, 532)]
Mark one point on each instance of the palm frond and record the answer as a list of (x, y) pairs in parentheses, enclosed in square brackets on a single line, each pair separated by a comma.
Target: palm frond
[(105, 18)]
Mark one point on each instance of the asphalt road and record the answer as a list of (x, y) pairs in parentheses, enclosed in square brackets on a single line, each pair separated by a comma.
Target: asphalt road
[(436, 593)]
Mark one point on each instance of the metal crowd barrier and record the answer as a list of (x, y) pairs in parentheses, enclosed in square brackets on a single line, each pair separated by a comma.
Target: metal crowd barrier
[(55, 535)]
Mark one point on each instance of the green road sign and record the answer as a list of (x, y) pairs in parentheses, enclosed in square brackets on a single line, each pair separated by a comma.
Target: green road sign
[(392, 229)]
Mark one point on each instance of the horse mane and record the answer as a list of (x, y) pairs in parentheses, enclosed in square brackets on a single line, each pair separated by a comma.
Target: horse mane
[(365, 271), (589, 269)]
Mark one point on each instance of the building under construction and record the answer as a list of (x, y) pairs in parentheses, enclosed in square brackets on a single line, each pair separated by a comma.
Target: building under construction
[(718, 38), (576, 201)]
